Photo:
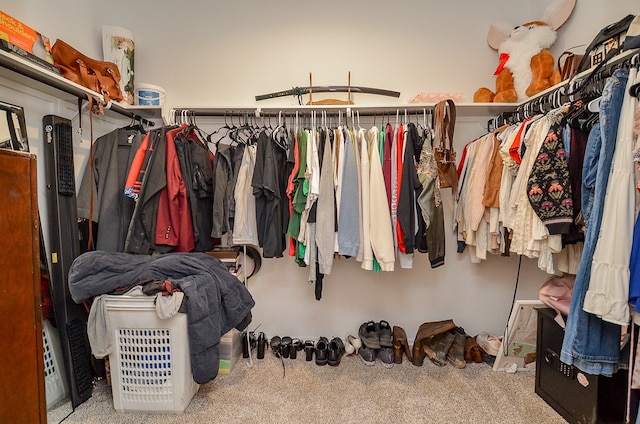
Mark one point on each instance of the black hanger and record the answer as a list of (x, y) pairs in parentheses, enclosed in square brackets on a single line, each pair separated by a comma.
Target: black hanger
[(136, 124), (225, 128)]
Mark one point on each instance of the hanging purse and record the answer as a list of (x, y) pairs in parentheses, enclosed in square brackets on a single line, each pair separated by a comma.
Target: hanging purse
[(98, 76), (606, 44), (445, 155)]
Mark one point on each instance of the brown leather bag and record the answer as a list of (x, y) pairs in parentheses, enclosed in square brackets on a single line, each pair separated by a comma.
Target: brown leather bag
[(445, 155), (101, 77), (570, 66)]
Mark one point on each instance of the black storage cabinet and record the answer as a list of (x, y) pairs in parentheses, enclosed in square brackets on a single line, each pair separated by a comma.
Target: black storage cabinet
[(577, 396)]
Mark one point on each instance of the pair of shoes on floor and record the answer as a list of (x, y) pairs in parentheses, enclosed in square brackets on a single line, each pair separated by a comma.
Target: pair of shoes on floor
[(368, 356), (489, 343), (250, 342), (377, 341), (284, 347), (442, 342), (376, 335), (329, 352)]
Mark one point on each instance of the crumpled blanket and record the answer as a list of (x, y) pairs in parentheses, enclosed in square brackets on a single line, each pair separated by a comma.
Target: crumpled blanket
[(216, 300)]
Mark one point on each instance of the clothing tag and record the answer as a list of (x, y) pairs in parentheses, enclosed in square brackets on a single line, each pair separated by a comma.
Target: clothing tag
[(130, 138)]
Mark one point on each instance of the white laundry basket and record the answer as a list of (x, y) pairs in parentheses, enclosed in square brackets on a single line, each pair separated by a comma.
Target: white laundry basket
[(150, 363), (54, 372)]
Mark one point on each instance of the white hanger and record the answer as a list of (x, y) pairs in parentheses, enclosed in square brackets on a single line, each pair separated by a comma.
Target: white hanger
[(594, 105)]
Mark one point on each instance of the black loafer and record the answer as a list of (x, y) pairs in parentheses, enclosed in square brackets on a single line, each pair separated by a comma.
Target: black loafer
[(336, 350), (322, 351)]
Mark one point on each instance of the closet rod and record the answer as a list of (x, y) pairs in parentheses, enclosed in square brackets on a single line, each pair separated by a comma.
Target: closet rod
[(258, 111), (128, 113)]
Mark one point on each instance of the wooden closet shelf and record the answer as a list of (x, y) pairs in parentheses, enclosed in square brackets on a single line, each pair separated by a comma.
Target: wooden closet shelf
[(23, 72)]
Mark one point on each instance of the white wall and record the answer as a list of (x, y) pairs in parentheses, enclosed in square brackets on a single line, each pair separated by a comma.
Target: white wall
[(225, 53)]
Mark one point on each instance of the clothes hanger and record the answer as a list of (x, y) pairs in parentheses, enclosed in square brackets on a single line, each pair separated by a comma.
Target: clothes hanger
[(634, 90), (224, 127)]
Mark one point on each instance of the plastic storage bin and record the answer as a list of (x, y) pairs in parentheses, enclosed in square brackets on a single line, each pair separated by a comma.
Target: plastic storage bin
[(150, 363), (230, 350), (54, 373)]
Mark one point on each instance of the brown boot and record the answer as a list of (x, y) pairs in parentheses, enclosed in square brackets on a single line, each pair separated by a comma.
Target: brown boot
[(425, 332), (400, 344), (455, 356), (438, 346)]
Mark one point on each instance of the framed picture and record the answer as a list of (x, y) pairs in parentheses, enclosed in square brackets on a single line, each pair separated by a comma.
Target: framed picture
[(518, 349)]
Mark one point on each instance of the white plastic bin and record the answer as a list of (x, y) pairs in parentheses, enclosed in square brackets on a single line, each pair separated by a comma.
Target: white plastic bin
[(54, 372), (150, 362)]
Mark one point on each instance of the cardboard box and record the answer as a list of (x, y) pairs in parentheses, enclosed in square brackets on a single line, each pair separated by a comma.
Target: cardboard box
[(24, 37)]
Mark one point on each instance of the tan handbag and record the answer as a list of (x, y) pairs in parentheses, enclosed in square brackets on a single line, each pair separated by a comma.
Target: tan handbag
[(445, 155), (570, 65), (101, 77)]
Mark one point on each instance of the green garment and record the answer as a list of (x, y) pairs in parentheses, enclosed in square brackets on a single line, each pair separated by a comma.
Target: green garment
[(299, 197)]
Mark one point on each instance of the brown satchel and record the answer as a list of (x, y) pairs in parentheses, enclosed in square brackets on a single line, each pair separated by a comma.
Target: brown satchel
[(101, 77), (570, 66), (445, 155)]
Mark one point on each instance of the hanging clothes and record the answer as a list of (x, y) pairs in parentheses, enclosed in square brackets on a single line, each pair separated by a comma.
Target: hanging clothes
[(608, 293), (174, 226), (245, 226), (326, 208), (147, 186), (113, 155), (430, 202), (590, 343), (223, 189), (348, 219), (196, 165), (268, 190), (365, 190), (380, 230)]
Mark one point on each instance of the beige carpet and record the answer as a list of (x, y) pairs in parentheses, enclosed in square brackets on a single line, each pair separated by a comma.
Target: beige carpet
[(348, 393)]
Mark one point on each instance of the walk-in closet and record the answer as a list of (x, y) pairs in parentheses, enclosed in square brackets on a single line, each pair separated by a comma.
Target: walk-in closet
[(306, 212)]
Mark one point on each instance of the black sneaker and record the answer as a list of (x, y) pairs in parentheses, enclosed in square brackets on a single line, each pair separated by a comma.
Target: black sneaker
[(367, 355), (369, 335)]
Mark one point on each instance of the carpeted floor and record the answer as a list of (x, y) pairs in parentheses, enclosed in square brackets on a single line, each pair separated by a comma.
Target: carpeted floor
[(348, 393)]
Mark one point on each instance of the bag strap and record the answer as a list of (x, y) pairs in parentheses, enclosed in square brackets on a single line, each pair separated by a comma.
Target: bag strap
[(100, 79), (564, 54), (91, 175), (445, 123), (604, 34), (578, 86), (84, 72)]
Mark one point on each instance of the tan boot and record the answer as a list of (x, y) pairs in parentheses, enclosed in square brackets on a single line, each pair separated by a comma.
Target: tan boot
[(400, 344), (425, 332)]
